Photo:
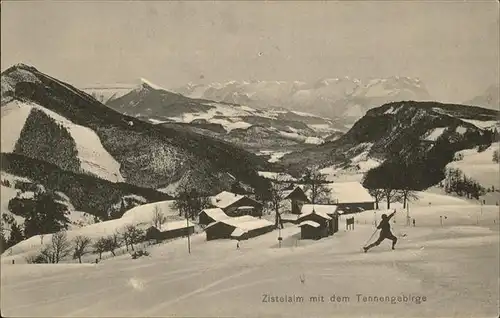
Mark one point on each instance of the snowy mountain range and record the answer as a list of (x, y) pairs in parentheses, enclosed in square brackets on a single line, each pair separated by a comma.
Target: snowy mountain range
[(489, 99), (259, 129), (344, 98), (63, 138)]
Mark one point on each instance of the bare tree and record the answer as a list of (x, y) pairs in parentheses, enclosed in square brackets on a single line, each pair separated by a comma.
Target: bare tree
[(277, 195), (158, 218), (133, 235), (61, 246), (315, 182), (406, 195), (110, 244), (390, 196), (99, 246), (81, 245), (46, 255), (377, 194)]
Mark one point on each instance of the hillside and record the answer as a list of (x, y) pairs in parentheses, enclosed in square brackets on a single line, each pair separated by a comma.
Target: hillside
[(258, 129), (49, 120), (86, 193), (346, 99), (421, 132)]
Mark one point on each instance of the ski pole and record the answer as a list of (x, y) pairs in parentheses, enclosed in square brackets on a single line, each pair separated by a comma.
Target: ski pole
[(371, 237)]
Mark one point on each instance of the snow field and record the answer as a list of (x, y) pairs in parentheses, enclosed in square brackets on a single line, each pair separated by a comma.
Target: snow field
[(13, 118), (93, 156), (452, 267), (482, 124), (479, 165), (435, 133)]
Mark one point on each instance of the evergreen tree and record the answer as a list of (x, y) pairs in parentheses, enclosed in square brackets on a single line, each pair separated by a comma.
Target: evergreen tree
[(496, 156), (16, 235), (237, 188), (47, 215), (190, 203), (3, 243)]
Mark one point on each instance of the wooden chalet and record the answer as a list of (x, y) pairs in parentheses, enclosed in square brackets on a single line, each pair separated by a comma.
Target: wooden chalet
[(297, 197), (236, 204), (170, 230)]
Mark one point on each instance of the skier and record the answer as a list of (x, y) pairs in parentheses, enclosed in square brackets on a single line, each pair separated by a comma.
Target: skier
[(385, 232)]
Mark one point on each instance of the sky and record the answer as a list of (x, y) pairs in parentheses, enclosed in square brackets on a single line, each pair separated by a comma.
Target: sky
[(451, 46)]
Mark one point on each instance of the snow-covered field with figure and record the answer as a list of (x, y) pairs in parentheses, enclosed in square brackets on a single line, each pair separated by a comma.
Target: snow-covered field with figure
[(455, 266)]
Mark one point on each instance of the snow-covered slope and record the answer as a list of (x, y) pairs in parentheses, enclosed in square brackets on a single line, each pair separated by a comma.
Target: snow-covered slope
[(139, 216), (345, 97), (69, 128), (423, 272), (479, 166), (424, 132), (90, 153)]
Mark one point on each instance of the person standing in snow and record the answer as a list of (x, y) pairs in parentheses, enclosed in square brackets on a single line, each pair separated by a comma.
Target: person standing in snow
[(385, 232)]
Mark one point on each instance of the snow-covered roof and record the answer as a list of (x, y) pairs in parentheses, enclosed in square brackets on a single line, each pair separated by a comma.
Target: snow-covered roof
[(349, 192), (174, 225), (245, 222), (287, 193), (310, 223), (289, 217), (216, 214), (321, 208), (311, 208), (225, 199), (245, 207), (238, 232), (276, 175)]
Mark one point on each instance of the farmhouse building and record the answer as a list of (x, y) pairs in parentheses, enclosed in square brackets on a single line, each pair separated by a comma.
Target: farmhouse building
[(297, 197), (350, 197), (240, 228), (208, 216), (230, 202), (170, 230)]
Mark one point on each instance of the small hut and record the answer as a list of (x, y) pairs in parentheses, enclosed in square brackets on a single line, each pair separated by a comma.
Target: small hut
[(310, 230)]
